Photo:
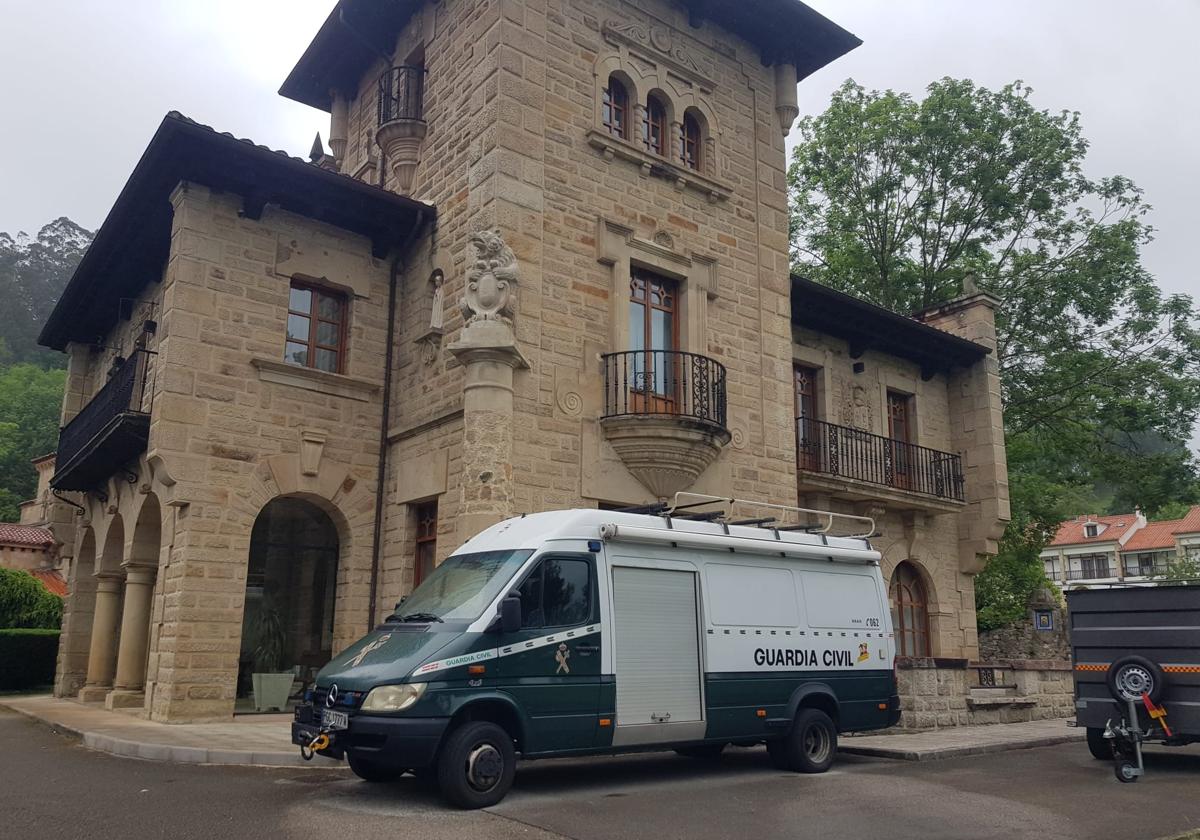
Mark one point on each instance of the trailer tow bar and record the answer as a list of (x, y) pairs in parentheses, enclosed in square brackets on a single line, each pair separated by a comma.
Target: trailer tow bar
[(1127, 737)]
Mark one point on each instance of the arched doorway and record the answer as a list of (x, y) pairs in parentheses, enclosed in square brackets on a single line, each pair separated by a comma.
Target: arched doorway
[(287, 623), (910, 612)]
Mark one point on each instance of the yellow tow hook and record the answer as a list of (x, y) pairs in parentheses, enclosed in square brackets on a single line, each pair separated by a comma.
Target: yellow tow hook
[(314, 746)]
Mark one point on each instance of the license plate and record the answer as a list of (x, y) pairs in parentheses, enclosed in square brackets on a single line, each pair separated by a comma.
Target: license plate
[(331, 719)]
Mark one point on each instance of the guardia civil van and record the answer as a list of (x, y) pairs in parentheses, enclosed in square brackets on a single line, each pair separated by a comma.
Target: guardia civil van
[(589, 631)]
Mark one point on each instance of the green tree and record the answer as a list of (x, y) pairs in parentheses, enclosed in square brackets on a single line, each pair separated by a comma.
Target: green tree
[(898, 200), (24, 602), (30, 402)]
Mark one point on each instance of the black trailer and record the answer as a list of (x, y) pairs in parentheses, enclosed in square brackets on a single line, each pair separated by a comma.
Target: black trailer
[(1136, 654)]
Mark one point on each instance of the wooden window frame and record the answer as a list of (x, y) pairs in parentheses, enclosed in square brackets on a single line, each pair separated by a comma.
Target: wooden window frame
[(314, 321), (422, 512), (647, 399), (691, 142), (919, 602), (902, 456), (615, 108), (655, 123), (808, 435)]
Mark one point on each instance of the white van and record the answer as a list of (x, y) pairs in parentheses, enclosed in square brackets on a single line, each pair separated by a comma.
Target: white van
[(589, 631)]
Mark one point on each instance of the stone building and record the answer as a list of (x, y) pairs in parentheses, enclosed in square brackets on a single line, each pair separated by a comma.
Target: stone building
[(543, 264)]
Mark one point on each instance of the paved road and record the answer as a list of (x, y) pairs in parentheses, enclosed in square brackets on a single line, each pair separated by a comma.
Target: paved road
[(50, 787)]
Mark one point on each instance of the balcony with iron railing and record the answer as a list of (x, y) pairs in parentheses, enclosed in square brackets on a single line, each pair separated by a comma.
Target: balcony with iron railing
[(401, 121), (1092, 572), (852, 464), (112, 429), (665, 415)]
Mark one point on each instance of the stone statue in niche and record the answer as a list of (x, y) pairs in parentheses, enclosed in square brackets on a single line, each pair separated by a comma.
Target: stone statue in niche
[(436, 316), (491, 289), (856, 411)]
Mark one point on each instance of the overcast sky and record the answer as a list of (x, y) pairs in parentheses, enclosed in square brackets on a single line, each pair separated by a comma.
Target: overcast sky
[(89, 81)]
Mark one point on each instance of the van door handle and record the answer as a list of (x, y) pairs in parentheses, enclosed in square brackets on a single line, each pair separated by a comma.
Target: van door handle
[(586, 650)]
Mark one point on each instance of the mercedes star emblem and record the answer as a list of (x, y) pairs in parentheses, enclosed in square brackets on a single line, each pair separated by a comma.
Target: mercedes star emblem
[(332, 696)]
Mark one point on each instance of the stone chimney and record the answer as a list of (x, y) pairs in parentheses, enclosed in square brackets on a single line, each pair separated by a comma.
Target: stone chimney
[(977, 423)]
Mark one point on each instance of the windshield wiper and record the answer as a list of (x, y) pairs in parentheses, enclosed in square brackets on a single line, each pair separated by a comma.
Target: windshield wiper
[(421, 617)]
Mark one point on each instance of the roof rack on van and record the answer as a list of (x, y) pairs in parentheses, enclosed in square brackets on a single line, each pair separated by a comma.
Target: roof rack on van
[(863, 526)]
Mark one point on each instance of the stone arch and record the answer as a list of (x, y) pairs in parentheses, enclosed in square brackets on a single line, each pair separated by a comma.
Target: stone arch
[(112, 553), (708, 142), (913, 601), (145, 540), (350, 503), (78, 612)]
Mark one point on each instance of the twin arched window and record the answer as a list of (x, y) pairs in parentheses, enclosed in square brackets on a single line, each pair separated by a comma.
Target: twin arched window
[(910, 612), (655, 132)]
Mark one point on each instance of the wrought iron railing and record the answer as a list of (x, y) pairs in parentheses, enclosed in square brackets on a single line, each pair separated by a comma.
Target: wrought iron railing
[(402, 94), (1091, 573), (126, 392), (852, 453), (671, 382)]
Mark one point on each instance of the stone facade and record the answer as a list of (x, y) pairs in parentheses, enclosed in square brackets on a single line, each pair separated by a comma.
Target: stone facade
[(936, 694), (502, 315)]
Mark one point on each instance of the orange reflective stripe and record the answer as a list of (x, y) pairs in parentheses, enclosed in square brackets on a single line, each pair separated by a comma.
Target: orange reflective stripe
[(1181, 669), (1091, 667)]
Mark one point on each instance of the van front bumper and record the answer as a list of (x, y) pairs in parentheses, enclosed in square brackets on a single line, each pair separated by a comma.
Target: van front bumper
[(386, 741)]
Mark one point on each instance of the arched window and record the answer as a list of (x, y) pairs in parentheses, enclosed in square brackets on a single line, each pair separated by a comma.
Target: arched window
[(910, 615), (615, 108), (689, 141), (654, 126)]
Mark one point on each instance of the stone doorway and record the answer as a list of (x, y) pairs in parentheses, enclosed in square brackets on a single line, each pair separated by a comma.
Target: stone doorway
[(287, 623)]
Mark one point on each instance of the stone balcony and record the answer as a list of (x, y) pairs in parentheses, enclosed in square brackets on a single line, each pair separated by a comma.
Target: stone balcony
[(664, 415)]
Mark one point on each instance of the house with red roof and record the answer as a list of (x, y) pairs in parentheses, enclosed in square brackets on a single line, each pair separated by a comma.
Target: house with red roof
[(1108, 549)]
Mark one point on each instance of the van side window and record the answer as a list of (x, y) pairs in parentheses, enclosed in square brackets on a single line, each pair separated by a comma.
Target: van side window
[(557, 593)]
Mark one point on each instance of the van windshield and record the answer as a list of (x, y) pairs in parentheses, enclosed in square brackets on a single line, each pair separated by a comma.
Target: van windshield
[(461, 587)]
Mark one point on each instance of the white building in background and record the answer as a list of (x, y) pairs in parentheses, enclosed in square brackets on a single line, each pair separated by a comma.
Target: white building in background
[(1124, 547)]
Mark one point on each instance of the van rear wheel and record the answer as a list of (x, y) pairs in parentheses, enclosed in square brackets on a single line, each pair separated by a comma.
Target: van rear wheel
[(810, 745), (1100, 747), (476, 765)]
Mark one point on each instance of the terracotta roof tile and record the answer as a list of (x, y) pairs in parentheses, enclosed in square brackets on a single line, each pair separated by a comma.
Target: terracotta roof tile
[(1156, 535), (52, 580), (25, 535), (1071, 531)]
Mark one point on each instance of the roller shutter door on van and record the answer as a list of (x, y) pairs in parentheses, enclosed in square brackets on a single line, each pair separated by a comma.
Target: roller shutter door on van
[(657, 646)]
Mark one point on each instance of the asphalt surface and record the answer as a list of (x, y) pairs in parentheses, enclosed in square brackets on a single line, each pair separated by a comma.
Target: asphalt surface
[(51, 787)]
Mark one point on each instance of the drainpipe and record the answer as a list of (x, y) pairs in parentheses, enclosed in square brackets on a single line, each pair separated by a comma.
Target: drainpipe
[(385, 414)]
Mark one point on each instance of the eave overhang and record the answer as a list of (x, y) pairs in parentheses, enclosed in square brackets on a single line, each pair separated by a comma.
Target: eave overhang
[(865, 326), (132, 246), (359, 32)]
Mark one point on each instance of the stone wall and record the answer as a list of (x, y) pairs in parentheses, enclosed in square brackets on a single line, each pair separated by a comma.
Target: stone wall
[(1021, 640), (936, 694)]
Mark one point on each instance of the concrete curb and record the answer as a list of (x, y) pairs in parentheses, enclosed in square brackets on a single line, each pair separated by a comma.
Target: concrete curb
[(938, 753), (178, 754)]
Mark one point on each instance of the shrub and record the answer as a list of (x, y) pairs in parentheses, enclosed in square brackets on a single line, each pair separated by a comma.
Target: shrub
[(24, 602), (27, 657)]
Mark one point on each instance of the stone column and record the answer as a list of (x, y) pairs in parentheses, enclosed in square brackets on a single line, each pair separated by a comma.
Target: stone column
[(489, 353), (135, 637), (487, 348), (101, 662)]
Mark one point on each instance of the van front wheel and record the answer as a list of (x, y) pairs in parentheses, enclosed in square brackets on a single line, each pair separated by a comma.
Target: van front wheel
[(810, 745), (476, 765)]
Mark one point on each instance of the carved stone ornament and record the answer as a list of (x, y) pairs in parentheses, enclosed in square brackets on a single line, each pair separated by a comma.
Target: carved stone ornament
[(491, 291), (661, 39), (856, 411)]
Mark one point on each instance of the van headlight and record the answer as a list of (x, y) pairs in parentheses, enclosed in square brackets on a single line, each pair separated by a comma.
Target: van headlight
[(393, 698)]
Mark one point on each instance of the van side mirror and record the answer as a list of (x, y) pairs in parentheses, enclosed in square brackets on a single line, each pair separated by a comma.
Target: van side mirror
[(510, 614)]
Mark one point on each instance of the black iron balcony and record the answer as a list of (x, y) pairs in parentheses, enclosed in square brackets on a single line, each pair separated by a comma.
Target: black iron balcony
[(1092, 573), (401, 94), (112, 429), (664, 382), (845, 452)]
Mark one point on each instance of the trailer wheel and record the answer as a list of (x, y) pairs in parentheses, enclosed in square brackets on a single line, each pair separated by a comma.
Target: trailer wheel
[(476, 765), (1125, 771), (810, 745), (1100, 747), (1131, 676)]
